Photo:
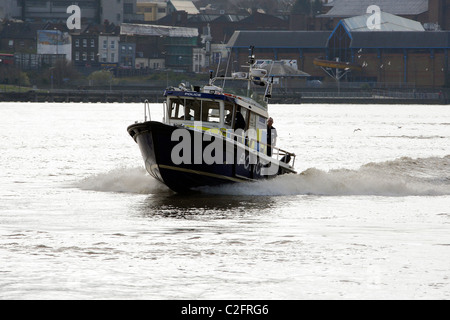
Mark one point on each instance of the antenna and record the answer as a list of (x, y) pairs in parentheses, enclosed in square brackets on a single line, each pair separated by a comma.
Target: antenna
[(269, 87), (251, 57), (218, 65), (226, 70), (211, 76)]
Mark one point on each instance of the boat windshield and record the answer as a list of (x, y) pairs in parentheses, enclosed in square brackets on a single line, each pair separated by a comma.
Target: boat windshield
[(194, 110), (252, 94)]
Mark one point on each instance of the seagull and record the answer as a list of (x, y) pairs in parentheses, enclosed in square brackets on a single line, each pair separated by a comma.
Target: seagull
[(357, 130)]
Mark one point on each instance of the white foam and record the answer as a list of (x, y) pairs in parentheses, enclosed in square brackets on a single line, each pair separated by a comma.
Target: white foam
[(402, 177), (123, 179)]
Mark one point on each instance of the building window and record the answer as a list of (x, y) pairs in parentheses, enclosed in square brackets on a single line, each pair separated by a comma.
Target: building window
[(77, 56), (113, 44), (92, 43), (92, 56), (77, 43), (104, 57), (84, 43), (84, 56), (105, 44), (113, 57)]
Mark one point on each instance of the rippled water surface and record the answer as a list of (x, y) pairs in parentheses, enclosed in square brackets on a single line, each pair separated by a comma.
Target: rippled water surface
[(367, 217)]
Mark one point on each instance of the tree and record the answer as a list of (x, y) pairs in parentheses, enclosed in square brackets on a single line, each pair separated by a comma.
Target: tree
[(63, 71), (302, 7), (102, 78), (317, 7), (308, 7), (13, 75)]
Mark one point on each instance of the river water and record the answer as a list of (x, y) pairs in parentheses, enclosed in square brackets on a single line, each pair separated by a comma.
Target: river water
[(367, 217)]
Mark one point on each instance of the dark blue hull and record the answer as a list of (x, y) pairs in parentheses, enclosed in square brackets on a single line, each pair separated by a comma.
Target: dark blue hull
[(156, 145)]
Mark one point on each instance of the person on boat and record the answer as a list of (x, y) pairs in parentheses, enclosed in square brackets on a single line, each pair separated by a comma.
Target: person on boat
[(228, 118), (240, 121), (271, 136), (239, 126)]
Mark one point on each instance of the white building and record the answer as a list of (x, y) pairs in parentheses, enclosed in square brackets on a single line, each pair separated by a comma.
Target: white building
[(203, 58), (54, 42), (155, 64), (108, 48)]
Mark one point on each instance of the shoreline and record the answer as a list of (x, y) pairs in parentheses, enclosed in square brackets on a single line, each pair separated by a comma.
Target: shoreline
[(155, 96)]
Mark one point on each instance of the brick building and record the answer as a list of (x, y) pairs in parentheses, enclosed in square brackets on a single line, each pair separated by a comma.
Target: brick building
[(384, 57), (173, 45), (428, 12)]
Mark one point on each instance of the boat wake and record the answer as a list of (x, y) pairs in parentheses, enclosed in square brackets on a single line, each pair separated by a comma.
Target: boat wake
[(401, 177), (125, 180)]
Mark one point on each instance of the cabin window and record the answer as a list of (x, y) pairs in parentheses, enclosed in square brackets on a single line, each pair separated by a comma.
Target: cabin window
[(210, 111), (244, 113), (194, 110), (252, 121), (185, 109), (252, 133), (177, 109)]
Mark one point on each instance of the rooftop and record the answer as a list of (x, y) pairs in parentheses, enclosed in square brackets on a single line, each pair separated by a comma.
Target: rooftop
[(279, 39), (132, 29), (388, 22), (187, 6), (350, 8)]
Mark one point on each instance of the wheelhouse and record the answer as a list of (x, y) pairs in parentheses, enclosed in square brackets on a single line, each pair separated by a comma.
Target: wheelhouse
[(216, 112)]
